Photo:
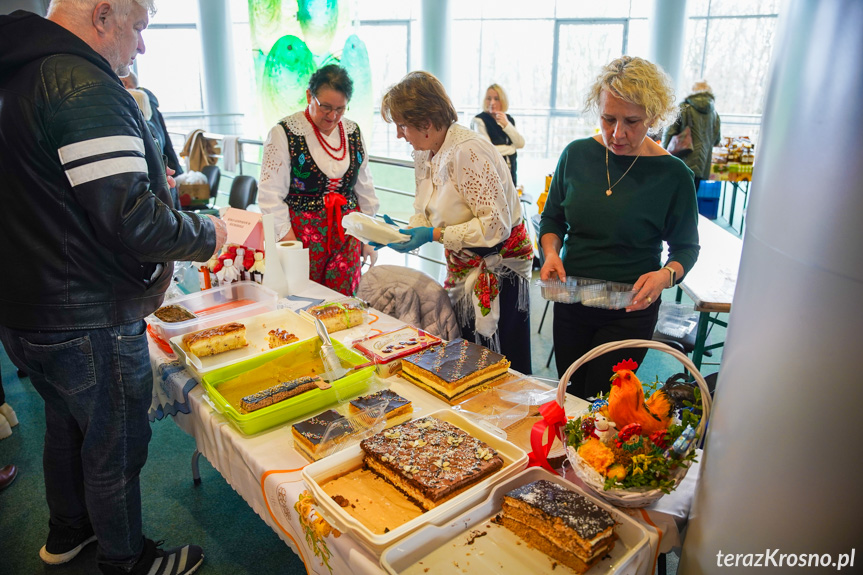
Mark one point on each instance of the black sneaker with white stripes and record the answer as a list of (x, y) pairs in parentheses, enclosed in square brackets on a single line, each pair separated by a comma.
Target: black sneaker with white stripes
[(155, 561)]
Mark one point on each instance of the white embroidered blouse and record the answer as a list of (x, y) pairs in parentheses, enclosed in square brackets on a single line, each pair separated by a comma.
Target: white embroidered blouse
[(275, 180), (466, 189)]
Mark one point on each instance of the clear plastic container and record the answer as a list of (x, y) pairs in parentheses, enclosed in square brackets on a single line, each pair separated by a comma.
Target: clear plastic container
[(588, 292), (216, 306), (387, 349)]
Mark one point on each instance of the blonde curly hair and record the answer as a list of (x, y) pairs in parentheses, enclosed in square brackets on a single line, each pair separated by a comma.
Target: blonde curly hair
[(640, 82)]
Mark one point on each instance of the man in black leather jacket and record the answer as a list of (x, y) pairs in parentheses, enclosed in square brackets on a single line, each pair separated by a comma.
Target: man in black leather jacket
[(89, 236)]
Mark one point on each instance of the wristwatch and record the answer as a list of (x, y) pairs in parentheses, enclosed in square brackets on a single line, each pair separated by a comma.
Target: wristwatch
[(673, 275), (440, 238)]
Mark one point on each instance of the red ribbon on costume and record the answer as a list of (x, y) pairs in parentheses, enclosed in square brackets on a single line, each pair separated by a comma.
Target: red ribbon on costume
[(553, 419), (333, 203)]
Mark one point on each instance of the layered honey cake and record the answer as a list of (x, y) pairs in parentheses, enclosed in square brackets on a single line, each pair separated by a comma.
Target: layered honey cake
[(278, 337), (429, 460), (452, 370), (337, 316), (561, 523), (309, 434), (279, 392), (398, 409), (216, 339)]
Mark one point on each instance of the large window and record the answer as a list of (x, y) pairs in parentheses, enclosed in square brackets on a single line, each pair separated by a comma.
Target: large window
[(544, 54), (171, 65), (728, 43)]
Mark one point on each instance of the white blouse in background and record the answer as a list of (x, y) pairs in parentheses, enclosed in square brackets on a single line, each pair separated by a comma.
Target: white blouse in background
[(275, 180), (465, 188)]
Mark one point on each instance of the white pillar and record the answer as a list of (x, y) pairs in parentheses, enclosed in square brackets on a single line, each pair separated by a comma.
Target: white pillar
[(782, 465), (668, 27), (217, 60), (436, 39)]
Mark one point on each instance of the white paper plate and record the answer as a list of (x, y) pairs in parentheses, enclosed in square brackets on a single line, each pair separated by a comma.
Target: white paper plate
[(445, 549)]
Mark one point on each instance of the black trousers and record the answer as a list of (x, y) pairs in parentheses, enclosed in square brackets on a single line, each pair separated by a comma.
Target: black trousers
[(578, 329), (513, 329)]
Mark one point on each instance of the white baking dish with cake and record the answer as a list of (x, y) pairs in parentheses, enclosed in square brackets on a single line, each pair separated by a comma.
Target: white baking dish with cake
[(372, 504), (476, 542), (257, 339)]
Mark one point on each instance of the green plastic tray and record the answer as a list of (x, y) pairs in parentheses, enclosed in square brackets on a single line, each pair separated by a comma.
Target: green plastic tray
[(355, 383)]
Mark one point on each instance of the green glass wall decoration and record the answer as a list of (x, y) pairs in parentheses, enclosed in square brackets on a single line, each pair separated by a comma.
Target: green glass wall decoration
[(293, 38)]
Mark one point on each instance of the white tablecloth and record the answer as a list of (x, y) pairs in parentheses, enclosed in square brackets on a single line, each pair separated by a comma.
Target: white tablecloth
[(265, 469)]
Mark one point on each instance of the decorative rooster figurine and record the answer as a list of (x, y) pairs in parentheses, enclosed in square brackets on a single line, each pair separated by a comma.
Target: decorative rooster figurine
[(626, 403)]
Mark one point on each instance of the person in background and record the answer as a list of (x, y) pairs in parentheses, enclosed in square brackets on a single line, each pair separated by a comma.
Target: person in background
[(465, 199), (316, 170), (698, 113), (143, 102), (87, 221), (157, 124), (614, 199), (499, 127)]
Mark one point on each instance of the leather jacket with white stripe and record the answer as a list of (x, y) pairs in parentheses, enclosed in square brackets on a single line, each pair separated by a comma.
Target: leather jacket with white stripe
[(88, 233)]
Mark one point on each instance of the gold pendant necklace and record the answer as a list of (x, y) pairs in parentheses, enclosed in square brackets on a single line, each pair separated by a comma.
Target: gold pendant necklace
[(608, 175)]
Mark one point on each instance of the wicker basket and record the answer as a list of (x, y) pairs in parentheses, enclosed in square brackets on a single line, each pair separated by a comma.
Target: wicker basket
[(633, 497)]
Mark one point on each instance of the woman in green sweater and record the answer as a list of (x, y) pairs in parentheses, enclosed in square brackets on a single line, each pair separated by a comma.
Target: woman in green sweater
[(613, 201)]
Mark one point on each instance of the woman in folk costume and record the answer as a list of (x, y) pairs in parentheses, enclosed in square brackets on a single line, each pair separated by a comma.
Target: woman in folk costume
[(465, 199), (315, 170)]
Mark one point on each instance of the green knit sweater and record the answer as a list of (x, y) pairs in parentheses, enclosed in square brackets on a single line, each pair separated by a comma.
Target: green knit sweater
[(619, 237)]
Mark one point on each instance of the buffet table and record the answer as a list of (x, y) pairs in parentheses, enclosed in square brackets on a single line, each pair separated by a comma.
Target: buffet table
[(712, 281), (266, 470)]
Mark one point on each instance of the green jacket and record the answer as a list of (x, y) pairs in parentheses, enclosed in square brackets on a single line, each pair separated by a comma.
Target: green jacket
[(697, 112)]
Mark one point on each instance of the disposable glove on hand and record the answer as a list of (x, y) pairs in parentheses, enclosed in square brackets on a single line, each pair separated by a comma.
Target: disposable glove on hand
[(390, 221), (419, 237)]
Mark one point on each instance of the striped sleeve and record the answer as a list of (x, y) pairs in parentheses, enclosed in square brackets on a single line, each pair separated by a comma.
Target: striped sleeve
[(116, 175), (102, 157)]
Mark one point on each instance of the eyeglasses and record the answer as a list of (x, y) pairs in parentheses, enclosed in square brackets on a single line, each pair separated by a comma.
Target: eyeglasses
[(327, 109)]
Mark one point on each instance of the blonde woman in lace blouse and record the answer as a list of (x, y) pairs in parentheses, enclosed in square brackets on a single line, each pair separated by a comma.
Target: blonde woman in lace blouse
[(466, 200)]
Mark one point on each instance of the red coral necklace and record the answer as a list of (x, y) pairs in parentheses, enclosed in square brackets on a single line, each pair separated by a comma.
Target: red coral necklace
[(343, 148)]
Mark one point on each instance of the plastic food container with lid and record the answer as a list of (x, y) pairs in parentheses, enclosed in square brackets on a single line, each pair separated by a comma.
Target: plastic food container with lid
[(588, 292), (216, 306)]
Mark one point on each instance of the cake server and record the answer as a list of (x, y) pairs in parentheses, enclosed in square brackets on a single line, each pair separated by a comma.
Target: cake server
[(333, 369)]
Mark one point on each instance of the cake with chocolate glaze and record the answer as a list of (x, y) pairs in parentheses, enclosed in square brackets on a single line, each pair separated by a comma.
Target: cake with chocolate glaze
[(279, 392), (561, 523), (398, 409), (309, 435), (453, 370), (430, 460)]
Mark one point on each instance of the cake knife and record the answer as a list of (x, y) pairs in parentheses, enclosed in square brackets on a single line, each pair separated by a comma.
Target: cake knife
[(333, 369)]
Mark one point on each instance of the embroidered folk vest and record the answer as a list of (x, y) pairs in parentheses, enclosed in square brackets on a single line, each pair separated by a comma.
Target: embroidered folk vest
[(309, 184)]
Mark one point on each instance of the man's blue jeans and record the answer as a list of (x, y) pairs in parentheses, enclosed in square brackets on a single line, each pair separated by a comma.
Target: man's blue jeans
[(97, 385)]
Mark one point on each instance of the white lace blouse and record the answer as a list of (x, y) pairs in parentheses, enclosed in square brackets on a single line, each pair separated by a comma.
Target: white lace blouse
[(275, 180), (466, 189)]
